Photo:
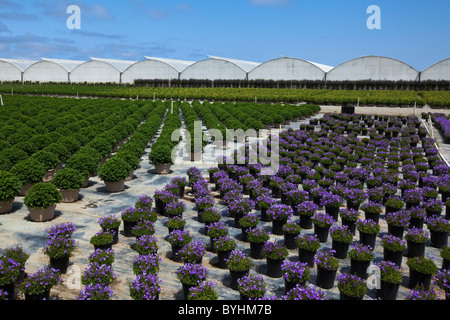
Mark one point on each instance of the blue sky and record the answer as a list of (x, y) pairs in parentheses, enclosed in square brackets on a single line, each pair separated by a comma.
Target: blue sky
[(324, 31)]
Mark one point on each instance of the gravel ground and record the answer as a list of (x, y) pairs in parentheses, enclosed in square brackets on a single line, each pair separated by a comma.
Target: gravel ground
[(95, 202)]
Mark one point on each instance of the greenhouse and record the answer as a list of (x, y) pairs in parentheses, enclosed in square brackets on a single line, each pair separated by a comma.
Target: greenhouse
[(439, 71), (100, 71), (155, 68), (50, 70), (373, 68), (217, 68), (13, 69), (286, 68)]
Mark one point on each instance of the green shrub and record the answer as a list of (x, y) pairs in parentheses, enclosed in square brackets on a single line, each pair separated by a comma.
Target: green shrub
[(114, 170), (9, 186), (29, 171), (42, 195), (86, 164), (161, 154), (68, 179)]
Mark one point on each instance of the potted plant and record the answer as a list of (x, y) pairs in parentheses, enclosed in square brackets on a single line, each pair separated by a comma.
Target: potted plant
[(264, 202), (247, 222), (239, 265), (191, 275), (174, 208), (50, 161), (360, 257), (145, 286), (41, 200), (291, 230), (216, 230), (372, 210), (60, 245), (275, 253), (176, 223), (351, 287), (257, 237), (113, 173), (111, 223), (397, 222), (143, 227), (98, 274), (202, 292), (95, 292), (417, 217), (433, 207), (240, 207), (341, 239), (421, 270), (18, 255), (144, 203), (69, 182), (354, 197), (192, 252), (322, 223), (37, 286), (102, 240), (294, 273), (394, 204), (419, 293), (204, 202), (85, 163), (439, 228), (146, 263), (29, 172), (368, 231), (332, 203), (130, 216), (307, 248), (349, 217), (279, 214), (305, 293), (9, 188), (327, 266), (223, 246), (161, 157), (10, 271), (252, 286), (178, 239), (390, 280), (393, 248), (102, 256), (415, 240)]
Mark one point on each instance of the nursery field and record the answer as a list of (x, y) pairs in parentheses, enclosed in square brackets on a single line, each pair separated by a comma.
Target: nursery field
[(357, 208), (388, 98)]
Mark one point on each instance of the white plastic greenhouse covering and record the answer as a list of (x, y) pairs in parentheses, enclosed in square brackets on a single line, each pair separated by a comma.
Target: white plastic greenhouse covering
[(218, 69), (289, 69), (155, 68), (46, 71), (13, 69), (373, 68), (438, 71)]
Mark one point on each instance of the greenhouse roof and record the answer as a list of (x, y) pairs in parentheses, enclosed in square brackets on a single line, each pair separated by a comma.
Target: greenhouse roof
[(179, 65), (247, 66), (120, 65), (22, 65), (69, 65)]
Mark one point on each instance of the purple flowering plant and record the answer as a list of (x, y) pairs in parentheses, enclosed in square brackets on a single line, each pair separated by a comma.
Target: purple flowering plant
[(239, 261), (351, 285), (144, 202), (349, 214), (146, 244), (393, 243), (341, 233), (145, 286), (179, 237), (102, 237), (9, 270), (305, 293), (281, 212), (146, 263), (109, 222), (296, 272), (274, 250), (217, 229), (399, 218), (368, 226), (442, 280), (175, 208), (258, 235), (361, 252), (331, 200), (420, 293), (203, 202), (325, 259), (41, 281), (192, 273), (389, 272), (205, 290), (60, 242), (252, 286), (98, 273), (192, 252), (95, 292), (416, 235), (225, 243), (438, 223), (322, 219), (143, 227), (102, 256), (307, 208)]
